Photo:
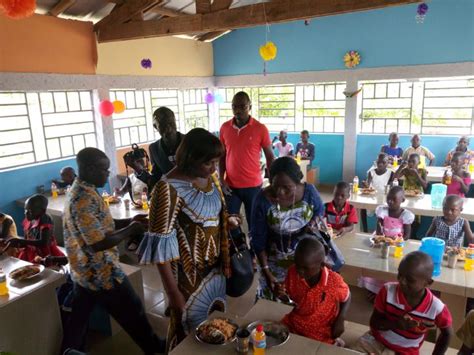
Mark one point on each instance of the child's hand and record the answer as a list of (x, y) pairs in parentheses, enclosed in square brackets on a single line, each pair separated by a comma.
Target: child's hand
[(457, 178), (279, 289)]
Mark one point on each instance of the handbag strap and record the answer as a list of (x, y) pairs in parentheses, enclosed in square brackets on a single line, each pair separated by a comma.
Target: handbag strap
[(216, 181)]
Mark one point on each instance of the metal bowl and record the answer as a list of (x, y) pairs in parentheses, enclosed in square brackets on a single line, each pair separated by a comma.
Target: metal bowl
[(217, 340), (277, 333)]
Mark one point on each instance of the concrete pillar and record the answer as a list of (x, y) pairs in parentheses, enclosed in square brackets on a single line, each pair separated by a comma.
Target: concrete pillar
[(350, 132)]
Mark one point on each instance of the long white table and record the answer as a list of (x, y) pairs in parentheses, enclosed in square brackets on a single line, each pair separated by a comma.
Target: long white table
[(30, 319), (418, 205), (455, 285)]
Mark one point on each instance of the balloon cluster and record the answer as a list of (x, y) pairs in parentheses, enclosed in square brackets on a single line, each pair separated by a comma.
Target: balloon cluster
[(107, 108), (17, 9)]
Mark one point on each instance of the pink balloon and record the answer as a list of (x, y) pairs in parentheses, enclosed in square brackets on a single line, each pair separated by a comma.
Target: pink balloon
[(106, 108)]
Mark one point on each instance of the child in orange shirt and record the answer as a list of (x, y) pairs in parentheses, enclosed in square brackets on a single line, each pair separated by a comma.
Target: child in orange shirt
[(322, 297)]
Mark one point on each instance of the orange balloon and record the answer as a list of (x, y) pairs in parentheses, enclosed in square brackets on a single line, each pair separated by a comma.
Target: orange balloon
[(119, 106)]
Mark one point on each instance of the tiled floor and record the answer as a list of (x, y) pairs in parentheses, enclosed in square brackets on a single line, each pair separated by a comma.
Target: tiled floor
[(155, 304)]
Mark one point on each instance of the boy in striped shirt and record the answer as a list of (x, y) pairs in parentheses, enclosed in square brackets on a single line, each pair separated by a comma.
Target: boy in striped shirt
[(406, 310)]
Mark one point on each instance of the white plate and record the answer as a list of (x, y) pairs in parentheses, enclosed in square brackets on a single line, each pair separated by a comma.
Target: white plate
[(41, 269)]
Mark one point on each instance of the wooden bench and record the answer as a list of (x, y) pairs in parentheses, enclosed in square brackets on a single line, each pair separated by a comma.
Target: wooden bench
[(354, 331)]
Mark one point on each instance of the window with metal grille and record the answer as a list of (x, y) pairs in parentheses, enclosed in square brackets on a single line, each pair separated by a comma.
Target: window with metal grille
[(135, 124), (427, 106), (317, 107), (43, 126)]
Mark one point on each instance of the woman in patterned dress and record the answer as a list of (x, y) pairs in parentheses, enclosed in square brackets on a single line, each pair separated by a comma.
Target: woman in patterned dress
[(187, 236), (282, 213)]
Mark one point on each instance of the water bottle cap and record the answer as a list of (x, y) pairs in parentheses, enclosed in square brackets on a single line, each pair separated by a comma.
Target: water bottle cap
[(260, 328), (471, 245)]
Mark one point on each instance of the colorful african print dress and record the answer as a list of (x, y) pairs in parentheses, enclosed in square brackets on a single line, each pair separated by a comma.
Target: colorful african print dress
[(187, 230), (277, 231)]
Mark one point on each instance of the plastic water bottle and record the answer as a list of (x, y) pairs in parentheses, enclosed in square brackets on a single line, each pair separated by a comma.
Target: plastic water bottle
[(144, 200), (355, 185), (395, 182), (259, 340), (3, 284), (54, 190), (395, 162), (399, 244), (471, 166), (469, 263), (449, 177)]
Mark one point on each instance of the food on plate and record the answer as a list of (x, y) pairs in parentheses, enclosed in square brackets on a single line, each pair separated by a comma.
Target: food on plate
[(380, 239), (413, 193), (367, 191), (24, 272), (113, 199), (216, 331)]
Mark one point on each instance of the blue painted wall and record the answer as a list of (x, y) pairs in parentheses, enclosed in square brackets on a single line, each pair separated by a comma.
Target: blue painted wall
[(23, 182), (329, 154), (385, 37), (368, 145)]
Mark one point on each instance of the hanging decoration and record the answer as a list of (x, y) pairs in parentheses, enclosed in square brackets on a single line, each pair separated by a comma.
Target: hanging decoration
[(106, 108), (421, 11), (119, 106), (209, 98), (306, 22), (352, 59), (268, 51), (146, 63), (17, 9), (352, 94)]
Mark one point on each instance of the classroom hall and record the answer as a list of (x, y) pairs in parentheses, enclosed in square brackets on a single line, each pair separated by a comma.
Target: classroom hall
[(146, 145)]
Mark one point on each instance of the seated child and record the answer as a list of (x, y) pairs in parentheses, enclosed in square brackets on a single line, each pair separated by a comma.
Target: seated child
[(378, 177), (461, 179), (7, 231), (392, 149), (393, 221), (38, 228), (136, 182), (68, 175), (405, 310), (414, 178), (466, 334), (339, 213), (451, 227), (322, 296)]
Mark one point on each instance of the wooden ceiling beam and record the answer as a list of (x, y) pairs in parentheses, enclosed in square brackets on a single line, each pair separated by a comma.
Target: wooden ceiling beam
[(239, 17), (203, 6), (125, 12), (61, 6)]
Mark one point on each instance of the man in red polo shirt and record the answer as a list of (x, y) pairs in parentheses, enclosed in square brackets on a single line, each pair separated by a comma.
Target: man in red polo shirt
[(243, 138)]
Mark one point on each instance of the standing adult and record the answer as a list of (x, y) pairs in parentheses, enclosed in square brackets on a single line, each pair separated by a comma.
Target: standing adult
[(163, 151), (284, 147), (91, 246), (417, 148), (463, 147), (281, 215), (305, 148), (243, 138), (188, 238)]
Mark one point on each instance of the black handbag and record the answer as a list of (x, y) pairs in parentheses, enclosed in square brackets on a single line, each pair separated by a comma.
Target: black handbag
[(241, 266), (334, 256)]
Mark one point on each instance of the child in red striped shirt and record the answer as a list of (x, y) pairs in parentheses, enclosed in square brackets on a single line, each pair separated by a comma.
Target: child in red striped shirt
[(406, 310)]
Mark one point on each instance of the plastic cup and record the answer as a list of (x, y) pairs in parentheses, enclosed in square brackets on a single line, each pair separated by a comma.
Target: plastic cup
[(452, 260), (126, 204), (384, 251), (243, 341)]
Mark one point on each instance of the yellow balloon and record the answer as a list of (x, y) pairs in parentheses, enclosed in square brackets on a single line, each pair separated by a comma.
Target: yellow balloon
[(119, 106), (268, 51)]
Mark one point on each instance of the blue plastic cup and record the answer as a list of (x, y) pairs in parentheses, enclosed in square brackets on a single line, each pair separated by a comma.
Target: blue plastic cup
[(438, 193), (434, 247)]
